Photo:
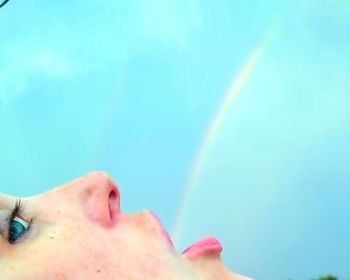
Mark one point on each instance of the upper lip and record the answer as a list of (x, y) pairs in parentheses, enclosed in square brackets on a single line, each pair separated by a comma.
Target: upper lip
[(161, 228)]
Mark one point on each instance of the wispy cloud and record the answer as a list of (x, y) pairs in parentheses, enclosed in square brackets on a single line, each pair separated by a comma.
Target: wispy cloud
[(89, 37), (169, 21), (51, 64), (17, 72)]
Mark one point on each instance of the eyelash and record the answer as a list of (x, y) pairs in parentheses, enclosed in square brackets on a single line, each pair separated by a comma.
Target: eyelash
[(18, 211)]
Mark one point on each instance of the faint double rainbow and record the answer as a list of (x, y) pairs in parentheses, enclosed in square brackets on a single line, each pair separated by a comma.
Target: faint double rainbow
[(236, 86)]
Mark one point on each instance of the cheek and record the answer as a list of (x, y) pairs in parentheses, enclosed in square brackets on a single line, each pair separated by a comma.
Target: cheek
[(23, 262), (76, 250), (60, 253), (73, 246)]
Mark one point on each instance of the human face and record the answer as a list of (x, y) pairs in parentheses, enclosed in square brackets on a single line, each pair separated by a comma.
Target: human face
[(81, 233)]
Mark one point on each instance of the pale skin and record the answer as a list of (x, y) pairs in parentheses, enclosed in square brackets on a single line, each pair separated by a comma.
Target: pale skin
[(80, 232)]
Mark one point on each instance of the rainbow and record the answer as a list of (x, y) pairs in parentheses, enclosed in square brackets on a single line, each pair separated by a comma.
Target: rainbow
[(236, 86)]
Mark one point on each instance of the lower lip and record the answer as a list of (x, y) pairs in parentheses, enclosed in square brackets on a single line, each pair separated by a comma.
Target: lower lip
[(162, 230)]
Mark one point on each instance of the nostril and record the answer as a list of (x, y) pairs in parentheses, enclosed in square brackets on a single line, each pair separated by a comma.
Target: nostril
[(113, 204), (100, 198)]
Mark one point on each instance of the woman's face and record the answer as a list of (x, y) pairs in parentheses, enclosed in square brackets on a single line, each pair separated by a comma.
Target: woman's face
[(79, 232)]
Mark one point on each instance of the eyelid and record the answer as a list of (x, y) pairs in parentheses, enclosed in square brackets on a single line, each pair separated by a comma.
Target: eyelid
[(19, 215)]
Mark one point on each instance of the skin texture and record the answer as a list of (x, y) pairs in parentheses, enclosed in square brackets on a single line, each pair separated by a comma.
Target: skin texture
[(81, 233)]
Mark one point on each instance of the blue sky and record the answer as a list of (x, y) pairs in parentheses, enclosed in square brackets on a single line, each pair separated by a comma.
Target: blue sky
[(130, 87)]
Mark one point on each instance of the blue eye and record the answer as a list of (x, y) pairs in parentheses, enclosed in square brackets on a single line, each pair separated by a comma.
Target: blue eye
[(18, 226)]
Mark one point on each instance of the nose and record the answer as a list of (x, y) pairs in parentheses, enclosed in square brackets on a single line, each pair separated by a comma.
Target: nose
[(100, 198)]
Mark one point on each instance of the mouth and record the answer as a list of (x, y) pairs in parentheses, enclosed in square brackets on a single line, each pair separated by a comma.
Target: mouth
[(207, 246)]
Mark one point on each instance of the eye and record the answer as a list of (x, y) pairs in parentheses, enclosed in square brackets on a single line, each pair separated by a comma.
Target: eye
[(17, 229), (18, 225)]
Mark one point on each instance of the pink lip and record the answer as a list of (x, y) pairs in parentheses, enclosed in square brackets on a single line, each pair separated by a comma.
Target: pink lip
[(207, 246), (162, 229)]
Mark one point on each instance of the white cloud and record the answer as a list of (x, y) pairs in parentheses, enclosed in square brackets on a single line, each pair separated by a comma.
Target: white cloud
[(17, 71), (50, 64), (89, 37), (169, 21)]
